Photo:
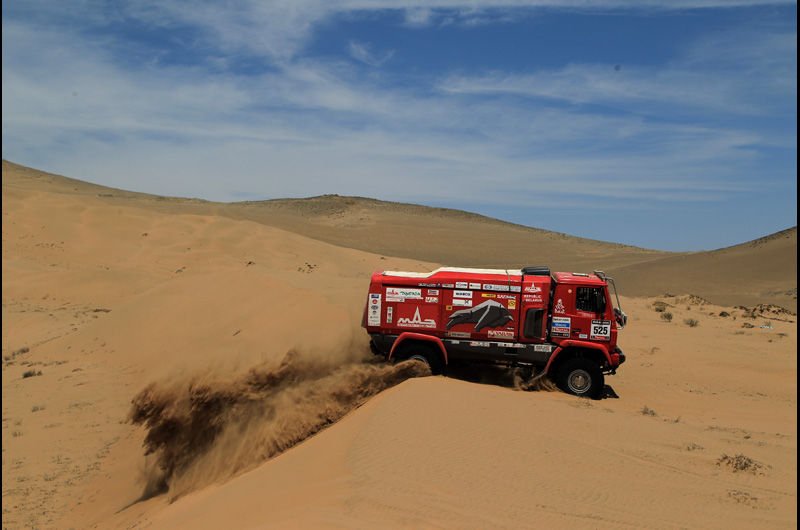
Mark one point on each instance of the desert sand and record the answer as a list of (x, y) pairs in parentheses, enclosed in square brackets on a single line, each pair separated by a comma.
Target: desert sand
[(130, 319)]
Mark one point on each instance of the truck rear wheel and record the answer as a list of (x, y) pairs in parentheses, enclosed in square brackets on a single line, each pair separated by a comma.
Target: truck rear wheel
[(423, 353), (581, 377)]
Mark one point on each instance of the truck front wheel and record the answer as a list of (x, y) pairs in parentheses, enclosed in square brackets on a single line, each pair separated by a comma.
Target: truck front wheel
[(581, 377), (423, 353)]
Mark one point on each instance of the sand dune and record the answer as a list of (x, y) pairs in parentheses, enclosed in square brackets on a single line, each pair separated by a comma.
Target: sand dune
[(106, 293)]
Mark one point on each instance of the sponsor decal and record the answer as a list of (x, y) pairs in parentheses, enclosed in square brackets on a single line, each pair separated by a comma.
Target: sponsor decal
[(416, 321), (501, 334), (431, 299), (479, 343), (561, 327), (389, 314), (462, 294), (543, 348), (515, 288), (461, 302), (506, 296), (462, 285), (487, 314), (433, 292), (512, 304), (448, 285), (374, 313), (532, 289), (458, 334), (600, 330), (559, 308), (474, 286), (583, 336), (495, 287), (488, 295), (428, 284), (400, 294)]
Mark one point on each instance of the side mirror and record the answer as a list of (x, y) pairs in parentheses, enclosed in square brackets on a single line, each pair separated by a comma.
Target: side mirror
[(620, 317)]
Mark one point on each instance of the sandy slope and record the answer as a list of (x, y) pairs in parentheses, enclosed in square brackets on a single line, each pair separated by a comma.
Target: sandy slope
[(110, 295)]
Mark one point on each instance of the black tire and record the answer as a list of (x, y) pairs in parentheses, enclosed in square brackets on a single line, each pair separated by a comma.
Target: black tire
[(424, 353), (581, 377)]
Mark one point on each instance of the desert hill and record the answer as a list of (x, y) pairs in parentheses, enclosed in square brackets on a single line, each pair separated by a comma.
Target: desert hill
[(763, 271), (121, 309)]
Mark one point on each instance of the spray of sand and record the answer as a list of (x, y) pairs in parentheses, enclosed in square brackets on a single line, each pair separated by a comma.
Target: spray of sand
[(201, 429)]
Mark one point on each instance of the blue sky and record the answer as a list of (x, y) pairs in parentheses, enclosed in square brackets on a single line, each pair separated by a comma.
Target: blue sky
[(667, 125)]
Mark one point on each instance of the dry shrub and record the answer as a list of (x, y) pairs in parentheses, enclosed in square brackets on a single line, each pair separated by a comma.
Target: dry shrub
[(740, 463), (666, 317), (691, 322)]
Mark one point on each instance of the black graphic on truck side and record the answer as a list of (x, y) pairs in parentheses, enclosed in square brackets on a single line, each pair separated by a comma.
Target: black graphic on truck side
[(489, 314)]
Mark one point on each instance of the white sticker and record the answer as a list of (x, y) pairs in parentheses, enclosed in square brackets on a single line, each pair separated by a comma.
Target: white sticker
[(462, 294), (431, 299), (583, 336), (479, 344), (389, 314), (401, 292), (501, 334), (374, 313), (495, 287), (459, 334), (462, 302), (543, 347), (561, 327), (433, 292), (462, 285), (474, 286), (516, 288), (601, 330)]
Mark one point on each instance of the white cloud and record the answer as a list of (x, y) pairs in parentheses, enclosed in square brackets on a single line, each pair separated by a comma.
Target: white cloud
[(363, 52)]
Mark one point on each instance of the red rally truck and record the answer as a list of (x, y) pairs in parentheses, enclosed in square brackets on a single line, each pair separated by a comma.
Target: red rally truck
[(562, 324)]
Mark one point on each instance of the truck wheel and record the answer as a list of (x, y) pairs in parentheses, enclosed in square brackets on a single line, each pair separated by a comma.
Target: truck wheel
[(581, 377), (423, 353)]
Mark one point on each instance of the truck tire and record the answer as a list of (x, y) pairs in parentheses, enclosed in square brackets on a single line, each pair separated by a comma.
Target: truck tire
[(581, 377), (423, 353)]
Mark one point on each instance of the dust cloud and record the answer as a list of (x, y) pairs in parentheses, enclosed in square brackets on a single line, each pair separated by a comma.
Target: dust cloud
[(201, 429)]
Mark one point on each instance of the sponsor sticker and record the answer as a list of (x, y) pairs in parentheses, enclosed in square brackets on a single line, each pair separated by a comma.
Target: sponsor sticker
[(512, 304), (461, 302), (495, 287), (431, 299), (515, 288), (559, 308), (488, 295), (374, 313), (600, 330), (400, 294), (428, 284), (583, 336), (561, 327), (389, 314), (416, 321), (480, 344), (476, 286), (462, 294), (459, 334), (543, 348), (501, 334), (462, 285), (433, 292), (448, 285)]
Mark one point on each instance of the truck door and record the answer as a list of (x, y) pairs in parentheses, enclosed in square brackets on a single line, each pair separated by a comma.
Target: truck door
[(581, 312)]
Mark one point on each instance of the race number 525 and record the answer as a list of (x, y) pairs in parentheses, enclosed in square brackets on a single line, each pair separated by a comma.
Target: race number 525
[(601, 330)]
